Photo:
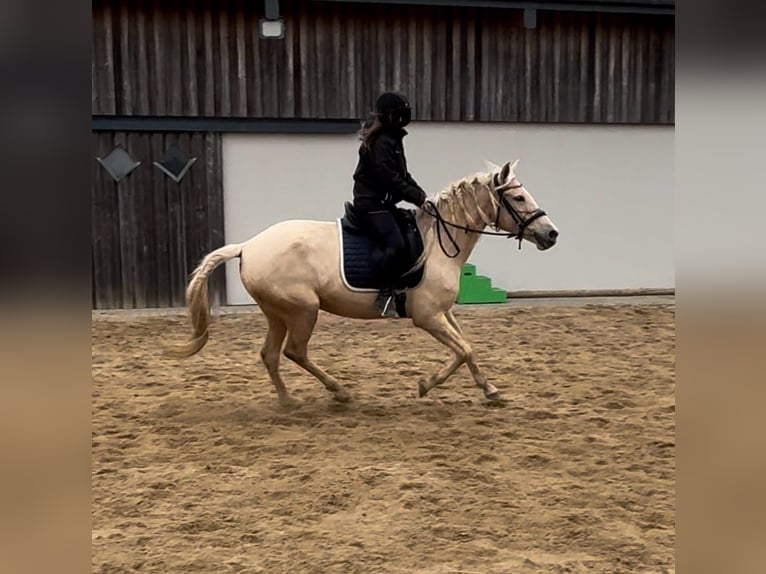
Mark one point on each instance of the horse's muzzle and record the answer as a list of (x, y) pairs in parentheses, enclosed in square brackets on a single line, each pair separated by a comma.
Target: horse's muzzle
[(546, 238)]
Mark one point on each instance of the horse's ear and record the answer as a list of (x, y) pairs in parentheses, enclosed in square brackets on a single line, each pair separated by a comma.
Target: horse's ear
[(491, 167), (505, 171), (513, 167)]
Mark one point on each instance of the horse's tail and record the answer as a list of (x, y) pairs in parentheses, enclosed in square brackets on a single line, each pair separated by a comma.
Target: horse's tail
[(197, 299)]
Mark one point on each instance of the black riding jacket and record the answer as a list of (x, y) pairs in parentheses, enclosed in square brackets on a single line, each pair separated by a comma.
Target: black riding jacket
[(381, 179)]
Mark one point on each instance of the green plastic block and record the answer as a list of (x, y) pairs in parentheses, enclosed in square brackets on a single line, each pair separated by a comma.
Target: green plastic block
[(477, 288)]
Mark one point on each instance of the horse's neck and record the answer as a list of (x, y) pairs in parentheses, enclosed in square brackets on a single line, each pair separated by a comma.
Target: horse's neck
[(466, 215), (466, 244)]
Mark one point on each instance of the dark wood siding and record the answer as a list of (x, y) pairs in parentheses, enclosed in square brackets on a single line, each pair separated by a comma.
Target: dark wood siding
[(204, 58), (149, 232)]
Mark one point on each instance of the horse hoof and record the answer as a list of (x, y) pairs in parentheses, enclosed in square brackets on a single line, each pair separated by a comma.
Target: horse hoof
[(422, 390), (494, 397), (289, 403), (341, 396)]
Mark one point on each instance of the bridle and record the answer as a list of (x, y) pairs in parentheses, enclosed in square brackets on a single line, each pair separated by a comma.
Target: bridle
[(501, 201)]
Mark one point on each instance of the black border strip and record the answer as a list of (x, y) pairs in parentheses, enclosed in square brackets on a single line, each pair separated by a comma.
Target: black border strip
[(637, 7), (290, 125), (230, 125)]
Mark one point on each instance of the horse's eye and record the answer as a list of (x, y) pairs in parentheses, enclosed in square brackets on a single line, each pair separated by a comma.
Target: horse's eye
[(519, 198)]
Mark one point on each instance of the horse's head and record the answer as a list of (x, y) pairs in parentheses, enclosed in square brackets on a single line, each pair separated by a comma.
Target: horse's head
[(517, 211)]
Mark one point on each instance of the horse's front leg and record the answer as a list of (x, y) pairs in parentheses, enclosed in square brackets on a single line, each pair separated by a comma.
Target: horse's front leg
[(490, 391), (439, 327)]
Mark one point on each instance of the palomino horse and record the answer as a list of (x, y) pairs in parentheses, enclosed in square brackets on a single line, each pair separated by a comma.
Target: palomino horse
[(292, 271)]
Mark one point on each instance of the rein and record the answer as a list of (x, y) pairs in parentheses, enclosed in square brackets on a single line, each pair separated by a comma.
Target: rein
[(520, 221)]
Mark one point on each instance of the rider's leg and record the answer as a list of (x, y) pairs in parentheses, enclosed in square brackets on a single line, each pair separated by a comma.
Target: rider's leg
[(386, 233)]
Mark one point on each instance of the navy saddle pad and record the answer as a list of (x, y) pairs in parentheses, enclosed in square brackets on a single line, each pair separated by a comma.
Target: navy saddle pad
[(356, 249)]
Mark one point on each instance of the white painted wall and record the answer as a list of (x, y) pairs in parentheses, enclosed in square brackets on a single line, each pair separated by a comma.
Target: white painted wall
[(609, 189)]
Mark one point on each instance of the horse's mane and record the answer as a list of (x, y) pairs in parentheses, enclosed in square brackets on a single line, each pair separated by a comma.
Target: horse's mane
[(451, 201), (457, 203)]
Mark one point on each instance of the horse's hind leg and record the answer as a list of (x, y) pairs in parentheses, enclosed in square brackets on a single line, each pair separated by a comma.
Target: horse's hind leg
[(300, 327), (271, 353)]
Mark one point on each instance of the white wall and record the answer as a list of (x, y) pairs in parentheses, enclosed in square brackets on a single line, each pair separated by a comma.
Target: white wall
[(609, 189)]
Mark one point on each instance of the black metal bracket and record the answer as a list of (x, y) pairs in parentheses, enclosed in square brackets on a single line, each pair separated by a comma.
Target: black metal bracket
[(530, 18), (271, 9)]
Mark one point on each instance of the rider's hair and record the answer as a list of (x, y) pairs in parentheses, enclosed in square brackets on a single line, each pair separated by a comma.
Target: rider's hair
[(370, 129)]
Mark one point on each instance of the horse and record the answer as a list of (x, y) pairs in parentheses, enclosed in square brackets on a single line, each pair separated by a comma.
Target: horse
[(294, 269)]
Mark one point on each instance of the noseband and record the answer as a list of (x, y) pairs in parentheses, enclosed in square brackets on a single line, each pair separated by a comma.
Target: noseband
[(501, 202)]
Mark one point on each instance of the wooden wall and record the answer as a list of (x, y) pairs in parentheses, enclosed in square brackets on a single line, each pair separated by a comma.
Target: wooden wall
[(149, 232), (205, 58)]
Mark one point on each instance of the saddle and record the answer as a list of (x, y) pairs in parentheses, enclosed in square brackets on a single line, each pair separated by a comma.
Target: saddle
[(358, 253)]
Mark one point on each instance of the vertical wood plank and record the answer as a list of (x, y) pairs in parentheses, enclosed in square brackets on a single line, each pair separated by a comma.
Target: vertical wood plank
[(667, 91), (426, 79), (629, 81), (125, 101), (224, 82), (351, 74), (611, 81), (142, 84), (567, 62), (191, 72), (358, 54), (638, 73), (456, 60), (125, 225), (176, 239), (110, 66), (587, 73), (305, 112), (413, 86), (255, 64), (559, 79), (378, 58), (272, 50), (515, 85), (98, 92), (625, 78), (530, 83), (339, 103), (470, 67), (542, 70), (145, 279), (210, 146), (162, 261), (105, 225), (651, 86), (485, 67), (159, 76), (208, 103), (240, 104), (289, 101), (396, 63), (322, 58), (598, 59), (439, 85), (174, 68)]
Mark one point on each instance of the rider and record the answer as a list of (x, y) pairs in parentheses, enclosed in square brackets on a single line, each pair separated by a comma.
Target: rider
[(381, 180)]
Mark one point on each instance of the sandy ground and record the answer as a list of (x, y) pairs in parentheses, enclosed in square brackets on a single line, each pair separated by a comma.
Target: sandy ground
[(197, 469)]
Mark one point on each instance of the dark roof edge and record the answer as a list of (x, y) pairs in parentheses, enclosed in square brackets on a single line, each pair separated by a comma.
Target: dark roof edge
[(665, 8), (218, 124)]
